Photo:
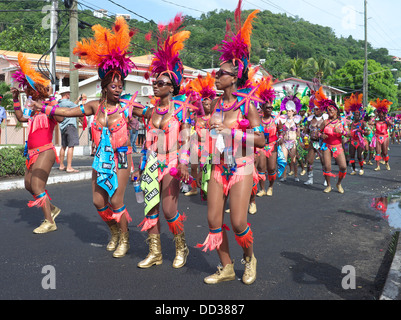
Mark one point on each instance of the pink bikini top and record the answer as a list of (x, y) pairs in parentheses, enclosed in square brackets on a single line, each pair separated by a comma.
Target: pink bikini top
[(334, 138), (170, 130), (381, 128), (119, 131)]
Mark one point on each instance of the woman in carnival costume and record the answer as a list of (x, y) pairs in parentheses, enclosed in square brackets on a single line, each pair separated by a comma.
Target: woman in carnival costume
[(312, 131), (332, 130), (267, 161), (288, 139), (353, 105), (369, 134), (168, 124), (381, 138), (205, 88), (234, 173), (39, 149), (107, 51)]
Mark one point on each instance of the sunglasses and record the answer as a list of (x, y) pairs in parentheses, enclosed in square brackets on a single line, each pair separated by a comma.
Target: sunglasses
[(224, 73), (161, 83)]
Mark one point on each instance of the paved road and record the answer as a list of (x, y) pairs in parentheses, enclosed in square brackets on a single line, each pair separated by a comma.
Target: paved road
[(303, 240)]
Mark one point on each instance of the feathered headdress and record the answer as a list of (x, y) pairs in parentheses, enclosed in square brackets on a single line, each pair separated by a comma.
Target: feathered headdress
[(291, 101), (322, 102), (237, 46), (381, 105), (353, 103), (170, 41), (108, 49), (205, 86), (266, 91), (27, 75)]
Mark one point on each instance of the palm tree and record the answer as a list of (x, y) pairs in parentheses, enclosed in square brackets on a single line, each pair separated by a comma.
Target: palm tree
[(299, 68), (322, 67)]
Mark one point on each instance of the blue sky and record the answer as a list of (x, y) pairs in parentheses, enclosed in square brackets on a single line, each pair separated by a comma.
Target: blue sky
[(345, 17)]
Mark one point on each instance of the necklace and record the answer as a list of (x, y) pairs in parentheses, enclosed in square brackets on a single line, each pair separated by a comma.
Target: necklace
[(205, 118), (105, 110), (162, 110), (229, 106)]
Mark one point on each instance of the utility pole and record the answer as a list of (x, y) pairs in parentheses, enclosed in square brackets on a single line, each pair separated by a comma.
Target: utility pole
[(73, 58), (53, 39), (365, 70)]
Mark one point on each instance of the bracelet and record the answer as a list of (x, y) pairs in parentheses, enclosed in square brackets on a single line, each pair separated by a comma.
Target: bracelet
[(54, 110), (43, 108), (48, 109), (184, 157)]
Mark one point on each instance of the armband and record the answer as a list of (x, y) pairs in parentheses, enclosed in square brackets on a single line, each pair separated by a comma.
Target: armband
[(17, 105), (258, 129), (81, 106), (144, 110)]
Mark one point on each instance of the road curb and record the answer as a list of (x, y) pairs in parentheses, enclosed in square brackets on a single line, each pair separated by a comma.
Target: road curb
[(391, 290), (84, 174)]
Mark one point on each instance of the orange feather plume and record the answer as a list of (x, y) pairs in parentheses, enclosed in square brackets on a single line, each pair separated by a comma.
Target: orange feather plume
[(246, 30), (28, 70), (381, 105), (353, 103)]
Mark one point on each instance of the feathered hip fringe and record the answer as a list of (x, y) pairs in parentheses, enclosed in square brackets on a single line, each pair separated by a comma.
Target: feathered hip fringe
[(175, 224), (213, 239)]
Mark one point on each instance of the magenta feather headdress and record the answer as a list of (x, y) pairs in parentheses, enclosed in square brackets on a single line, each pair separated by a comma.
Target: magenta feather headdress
[(266, 91), (236, 47), (170, 41)]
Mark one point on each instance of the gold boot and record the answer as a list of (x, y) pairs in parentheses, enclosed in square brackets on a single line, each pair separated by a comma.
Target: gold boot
[(250, 269), (155, 252), (223, 274), (181, 251), (123, 245), (115, 235)]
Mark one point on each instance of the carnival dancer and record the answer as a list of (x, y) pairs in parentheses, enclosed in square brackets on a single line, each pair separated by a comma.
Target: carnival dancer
[(205, 87), (381, 139), (234, 174), (267, 161), (107, 51), (312, 132), (332, 131), (39, 149), (353, 105), (168, 124), (369, 134), (291, 132)]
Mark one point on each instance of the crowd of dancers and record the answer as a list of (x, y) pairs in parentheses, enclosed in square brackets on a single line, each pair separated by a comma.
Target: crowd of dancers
[(224, 145)]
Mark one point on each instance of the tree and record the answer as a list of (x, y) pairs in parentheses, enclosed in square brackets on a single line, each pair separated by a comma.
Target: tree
[(322, 67), (380, 80)]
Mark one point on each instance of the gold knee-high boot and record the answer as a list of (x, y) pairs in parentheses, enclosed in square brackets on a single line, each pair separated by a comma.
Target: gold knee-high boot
[(181, 251), (155, 252), (123, 245)]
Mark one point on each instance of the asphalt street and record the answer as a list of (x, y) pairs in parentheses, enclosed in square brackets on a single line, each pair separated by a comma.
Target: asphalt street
[(309, 245)]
